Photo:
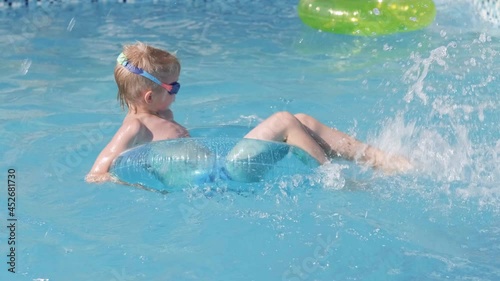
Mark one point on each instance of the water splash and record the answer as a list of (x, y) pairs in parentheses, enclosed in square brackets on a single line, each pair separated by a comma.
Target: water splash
[(433, 152), (419, 71), (330, 176), (488, 10), (447, 123), (450, 159)]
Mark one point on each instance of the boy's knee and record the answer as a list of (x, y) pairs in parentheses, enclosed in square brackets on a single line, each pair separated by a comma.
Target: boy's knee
[(303, 118), (284, 116), (284, 119)]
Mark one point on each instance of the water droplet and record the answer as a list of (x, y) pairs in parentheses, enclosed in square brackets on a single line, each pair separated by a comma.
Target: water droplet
[(25, 66), (482, 38)]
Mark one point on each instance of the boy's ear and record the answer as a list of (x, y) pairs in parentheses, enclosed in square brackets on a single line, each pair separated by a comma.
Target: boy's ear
[(148, 96)]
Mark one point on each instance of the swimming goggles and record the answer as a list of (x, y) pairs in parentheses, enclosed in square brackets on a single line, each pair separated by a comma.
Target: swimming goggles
[(171, 88)]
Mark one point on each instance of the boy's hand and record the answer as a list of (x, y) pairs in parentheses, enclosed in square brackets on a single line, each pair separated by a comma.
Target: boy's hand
[(97, 178), (100, 178)]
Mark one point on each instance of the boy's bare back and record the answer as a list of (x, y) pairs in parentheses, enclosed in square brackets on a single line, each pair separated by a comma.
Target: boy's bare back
[(155, 128)]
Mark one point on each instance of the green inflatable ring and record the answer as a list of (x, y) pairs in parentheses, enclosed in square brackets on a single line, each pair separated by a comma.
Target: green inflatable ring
[(367, 17)]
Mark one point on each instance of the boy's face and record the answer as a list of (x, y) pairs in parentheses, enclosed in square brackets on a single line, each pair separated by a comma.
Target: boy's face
[(162, 99)]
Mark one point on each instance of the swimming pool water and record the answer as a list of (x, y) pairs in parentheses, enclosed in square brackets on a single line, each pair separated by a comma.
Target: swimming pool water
[(431, 95)]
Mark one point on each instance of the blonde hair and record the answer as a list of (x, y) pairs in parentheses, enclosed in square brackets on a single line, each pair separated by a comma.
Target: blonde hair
[(155, 61)]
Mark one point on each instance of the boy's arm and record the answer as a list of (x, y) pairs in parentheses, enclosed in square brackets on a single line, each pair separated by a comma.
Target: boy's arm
[(122, 140)]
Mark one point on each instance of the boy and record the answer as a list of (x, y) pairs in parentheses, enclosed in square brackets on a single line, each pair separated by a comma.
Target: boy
[(147, 84)]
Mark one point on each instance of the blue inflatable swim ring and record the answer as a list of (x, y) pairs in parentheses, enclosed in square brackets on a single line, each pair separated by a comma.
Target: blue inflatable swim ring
[(211, 154)]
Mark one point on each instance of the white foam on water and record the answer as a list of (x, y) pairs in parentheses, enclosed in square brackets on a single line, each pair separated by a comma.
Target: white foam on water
[(330, 176), (449, 165)]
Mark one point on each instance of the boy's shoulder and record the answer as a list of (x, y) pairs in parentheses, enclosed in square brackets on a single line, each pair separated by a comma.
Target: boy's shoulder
[(152, 126), (131, 125)]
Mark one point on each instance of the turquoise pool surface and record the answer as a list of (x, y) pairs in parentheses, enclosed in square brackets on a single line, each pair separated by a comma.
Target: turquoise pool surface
[(431, 95)]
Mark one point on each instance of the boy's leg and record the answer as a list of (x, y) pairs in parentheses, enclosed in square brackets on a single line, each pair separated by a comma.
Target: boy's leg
[(285, 127), (337, 143), (334, 142)]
